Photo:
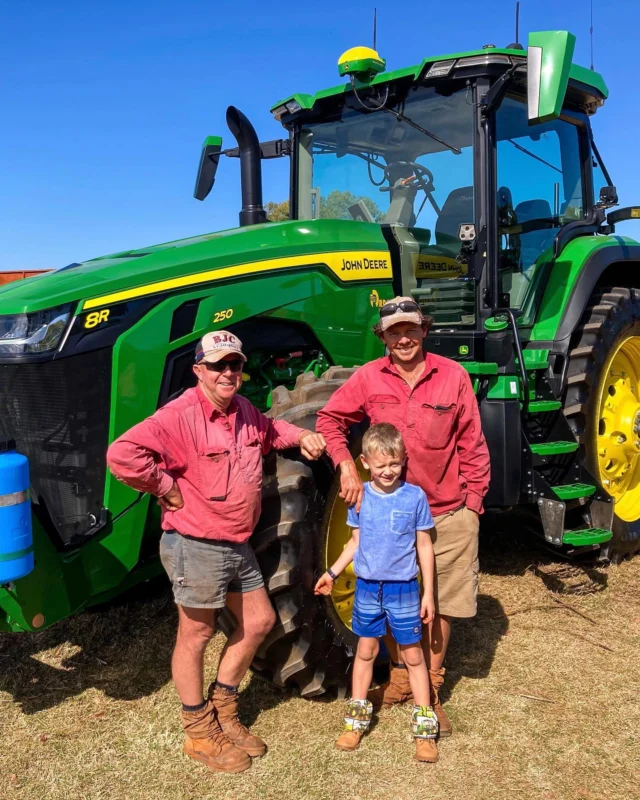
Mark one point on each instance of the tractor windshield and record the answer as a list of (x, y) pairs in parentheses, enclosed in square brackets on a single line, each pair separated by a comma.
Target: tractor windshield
[(416, 173)]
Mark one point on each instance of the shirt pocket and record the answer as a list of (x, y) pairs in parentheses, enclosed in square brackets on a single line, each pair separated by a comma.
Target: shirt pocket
[(384, 408), (251, 460), (437, 424), (402, 522), (213, 474)]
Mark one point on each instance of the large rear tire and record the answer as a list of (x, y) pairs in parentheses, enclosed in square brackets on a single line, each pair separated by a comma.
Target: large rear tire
[(310, 648), (602, 405)]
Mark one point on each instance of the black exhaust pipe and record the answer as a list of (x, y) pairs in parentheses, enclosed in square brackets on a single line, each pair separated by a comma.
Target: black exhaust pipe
[(245, 134)]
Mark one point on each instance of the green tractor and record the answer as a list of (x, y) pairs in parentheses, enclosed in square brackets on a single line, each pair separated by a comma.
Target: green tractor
[(471, 182)]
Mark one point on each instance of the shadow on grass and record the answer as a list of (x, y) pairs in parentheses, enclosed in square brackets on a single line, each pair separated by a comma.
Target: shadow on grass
[(512, 544), (123, 649)]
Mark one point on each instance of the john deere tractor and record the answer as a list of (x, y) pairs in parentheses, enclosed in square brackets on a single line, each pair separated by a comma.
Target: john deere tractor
[(471, 182)]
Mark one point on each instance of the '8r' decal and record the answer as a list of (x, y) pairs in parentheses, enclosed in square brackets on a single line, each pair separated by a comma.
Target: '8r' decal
[(97, 318)]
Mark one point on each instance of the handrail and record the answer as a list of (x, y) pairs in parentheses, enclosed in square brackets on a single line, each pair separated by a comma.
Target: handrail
[(518, 346)]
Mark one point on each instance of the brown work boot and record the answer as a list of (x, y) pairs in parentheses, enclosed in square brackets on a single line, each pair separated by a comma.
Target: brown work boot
[(207, 743), (396, 690), (436, 678), (226, 704), (357, 720), (426, 750), (424, 726)]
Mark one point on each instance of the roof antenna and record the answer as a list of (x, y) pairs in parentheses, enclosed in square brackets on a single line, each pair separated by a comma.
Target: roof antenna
[(375, 28), (591, 34), (516, 45)]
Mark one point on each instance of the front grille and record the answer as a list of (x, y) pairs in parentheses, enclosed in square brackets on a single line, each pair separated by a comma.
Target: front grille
[(58, 413)]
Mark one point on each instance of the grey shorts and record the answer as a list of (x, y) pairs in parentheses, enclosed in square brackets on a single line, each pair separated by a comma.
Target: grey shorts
[(202, 571)]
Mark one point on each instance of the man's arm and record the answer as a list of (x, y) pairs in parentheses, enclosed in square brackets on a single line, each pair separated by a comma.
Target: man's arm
[(280, 435), (141, 458), (473, 453), (345, 407)]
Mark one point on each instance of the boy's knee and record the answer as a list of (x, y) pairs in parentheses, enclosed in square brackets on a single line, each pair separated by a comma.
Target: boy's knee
[(413, 656), (368, 650)]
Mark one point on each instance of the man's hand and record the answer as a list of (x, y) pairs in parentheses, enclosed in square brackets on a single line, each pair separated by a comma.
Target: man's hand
[(172, 500), (351, 486), (324, 584), (312, 445), (427, 608)]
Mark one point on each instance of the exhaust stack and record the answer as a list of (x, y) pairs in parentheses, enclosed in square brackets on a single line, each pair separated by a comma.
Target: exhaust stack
[(252, 212)]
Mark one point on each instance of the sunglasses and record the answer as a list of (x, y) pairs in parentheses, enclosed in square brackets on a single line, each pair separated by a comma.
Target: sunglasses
[(404, 305), (234, 364)]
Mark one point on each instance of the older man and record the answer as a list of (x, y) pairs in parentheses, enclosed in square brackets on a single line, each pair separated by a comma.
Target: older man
[(430, 400), (201, 455)]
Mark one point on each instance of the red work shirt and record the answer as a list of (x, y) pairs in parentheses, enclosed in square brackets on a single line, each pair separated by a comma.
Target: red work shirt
[(215, 458), (447, 455)]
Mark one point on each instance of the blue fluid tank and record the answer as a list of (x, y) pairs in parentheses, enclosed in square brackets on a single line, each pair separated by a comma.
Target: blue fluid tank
[(16, 538)]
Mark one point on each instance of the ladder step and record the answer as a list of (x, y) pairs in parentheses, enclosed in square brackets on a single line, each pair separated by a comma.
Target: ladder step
[(480, 367), (553, 448), (573, 490), (587, 536), (538, 406)]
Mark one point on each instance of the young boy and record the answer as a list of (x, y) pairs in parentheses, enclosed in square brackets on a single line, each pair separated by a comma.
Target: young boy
[(393, 523)]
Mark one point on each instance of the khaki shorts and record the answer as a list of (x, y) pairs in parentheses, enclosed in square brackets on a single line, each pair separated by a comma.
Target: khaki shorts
[(202, 571), (455, 545)]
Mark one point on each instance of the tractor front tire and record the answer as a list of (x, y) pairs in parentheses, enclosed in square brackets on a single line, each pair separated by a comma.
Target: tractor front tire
[(603, 389), (308, 648)]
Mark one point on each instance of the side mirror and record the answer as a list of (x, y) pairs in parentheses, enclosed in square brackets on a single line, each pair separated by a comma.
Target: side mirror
[(211, 150), (549, 57)]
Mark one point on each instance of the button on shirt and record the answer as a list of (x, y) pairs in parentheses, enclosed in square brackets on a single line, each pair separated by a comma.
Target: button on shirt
[(447, 455), (388, 523), (215, 458)]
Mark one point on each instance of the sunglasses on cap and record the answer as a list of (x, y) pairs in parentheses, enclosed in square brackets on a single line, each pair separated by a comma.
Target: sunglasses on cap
[(404, 305), (234, 364)]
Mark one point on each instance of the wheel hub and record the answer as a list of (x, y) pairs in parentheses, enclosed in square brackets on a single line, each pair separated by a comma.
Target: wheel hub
[(618, 440)]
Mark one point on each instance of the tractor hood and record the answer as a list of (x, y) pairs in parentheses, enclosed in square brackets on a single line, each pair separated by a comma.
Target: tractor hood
[(185, 263)]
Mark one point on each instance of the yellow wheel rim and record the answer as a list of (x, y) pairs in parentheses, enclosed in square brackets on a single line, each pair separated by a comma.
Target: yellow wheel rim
[(338, 534), (618, 435)]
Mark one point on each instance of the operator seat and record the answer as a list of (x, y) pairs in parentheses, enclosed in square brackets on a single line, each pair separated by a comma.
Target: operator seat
[(534, 243), (456, 211)]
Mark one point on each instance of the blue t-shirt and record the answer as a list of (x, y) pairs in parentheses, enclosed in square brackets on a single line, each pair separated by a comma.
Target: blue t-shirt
[(388, 524)]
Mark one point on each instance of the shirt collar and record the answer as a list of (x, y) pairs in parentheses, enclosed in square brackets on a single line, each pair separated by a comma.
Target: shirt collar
[(429, 367), (211, 411)]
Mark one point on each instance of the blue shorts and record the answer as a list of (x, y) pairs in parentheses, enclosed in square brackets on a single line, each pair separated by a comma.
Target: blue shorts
[(396, 603)]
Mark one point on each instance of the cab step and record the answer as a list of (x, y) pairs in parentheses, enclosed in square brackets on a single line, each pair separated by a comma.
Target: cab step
[(540, 406), (586, 537), (574, 490), (553, 448)]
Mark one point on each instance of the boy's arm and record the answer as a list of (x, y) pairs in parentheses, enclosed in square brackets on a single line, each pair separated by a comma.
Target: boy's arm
[(426, 560), (325, 583)]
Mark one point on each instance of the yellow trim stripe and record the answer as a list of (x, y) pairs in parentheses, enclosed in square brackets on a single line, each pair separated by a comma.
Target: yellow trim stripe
[(348, 266)]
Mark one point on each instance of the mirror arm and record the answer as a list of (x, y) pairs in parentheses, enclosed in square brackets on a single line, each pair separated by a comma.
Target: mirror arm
[(493, 98)]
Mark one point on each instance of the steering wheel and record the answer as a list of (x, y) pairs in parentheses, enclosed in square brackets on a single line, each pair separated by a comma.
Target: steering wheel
[(422, 178)]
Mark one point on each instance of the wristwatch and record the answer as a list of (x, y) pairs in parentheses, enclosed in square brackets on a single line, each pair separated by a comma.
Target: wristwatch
[(332, 574)]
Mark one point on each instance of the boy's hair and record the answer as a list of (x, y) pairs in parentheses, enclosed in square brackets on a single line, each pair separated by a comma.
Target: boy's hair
[(384, 438)]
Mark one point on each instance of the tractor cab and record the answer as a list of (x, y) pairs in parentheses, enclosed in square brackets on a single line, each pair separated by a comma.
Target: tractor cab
[(471, 164)]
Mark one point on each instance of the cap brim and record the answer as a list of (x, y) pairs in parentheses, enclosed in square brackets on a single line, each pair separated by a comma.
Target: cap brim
[(403, 316), (213, 356)]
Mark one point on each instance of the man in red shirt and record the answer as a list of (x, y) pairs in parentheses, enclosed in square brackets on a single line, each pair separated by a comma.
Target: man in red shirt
[(431, 401), (201, 455)]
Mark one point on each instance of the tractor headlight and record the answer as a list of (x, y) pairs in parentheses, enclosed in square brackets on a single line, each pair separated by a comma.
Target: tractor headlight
[(37, 332)]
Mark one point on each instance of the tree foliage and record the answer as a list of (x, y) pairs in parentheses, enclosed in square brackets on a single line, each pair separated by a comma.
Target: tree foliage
[(335, 206), (277, 212)]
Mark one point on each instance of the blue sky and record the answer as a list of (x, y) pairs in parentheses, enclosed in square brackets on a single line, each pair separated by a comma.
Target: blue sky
[(105, 105)]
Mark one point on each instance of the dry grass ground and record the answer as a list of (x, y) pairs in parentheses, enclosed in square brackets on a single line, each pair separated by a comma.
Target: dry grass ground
[(87, 709)]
